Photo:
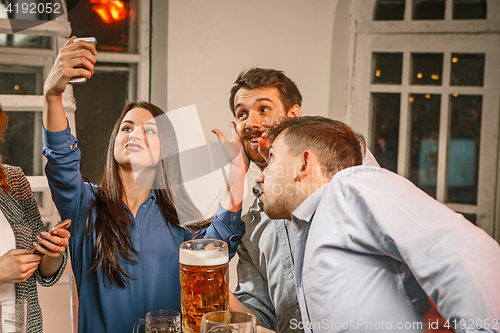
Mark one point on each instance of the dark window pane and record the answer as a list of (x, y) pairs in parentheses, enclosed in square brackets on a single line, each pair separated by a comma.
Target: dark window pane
[(424, 111), (387, 68), (386, 10), (463, 151), (101, 98), (467, 69), (426, 69), (428, 9), (471, 217), (385, 108), (469, 9), (113, 23), (22, 146), (37, 42), (21, 80)]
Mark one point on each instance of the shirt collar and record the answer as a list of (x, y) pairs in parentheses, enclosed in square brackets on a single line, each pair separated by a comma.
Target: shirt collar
[(152, 195), (307, 208)]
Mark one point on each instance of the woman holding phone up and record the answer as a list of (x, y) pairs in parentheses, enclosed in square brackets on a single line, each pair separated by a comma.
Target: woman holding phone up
[(21, 230), (126, 231)]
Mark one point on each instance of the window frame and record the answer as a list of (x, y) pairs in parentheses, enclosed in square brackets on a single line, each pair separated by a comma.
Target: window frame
[(446, 36)]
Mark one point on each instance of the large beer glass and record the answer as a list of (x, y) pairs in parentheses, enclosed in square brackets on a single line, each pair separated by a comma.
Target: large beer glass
[(204, 275)]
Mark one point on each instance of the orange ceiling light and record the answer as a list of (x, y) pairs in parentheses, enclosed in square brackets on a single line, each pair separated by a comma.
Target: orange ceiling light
[(110, 11)]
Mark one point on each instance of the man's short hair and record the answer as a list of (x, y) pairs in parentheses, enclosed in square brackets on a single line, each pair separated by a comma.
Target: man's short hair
[(267, 78), (335, 144)]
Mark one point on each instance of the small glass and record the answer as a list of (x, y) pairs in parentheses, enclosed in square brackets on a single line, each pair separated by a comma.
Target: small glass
[(204, 275), (164, 321), (228, 322), (14, 315)]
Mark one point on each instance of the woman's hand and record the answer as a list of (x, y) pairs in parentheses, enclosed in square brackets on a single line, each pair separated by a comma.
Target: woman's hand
[(18, 265), (74, 60), (52, 246)]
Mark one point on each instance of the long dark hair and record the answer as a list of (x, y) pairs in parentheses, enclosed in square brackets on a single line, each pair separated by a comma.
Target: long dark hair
[(113, 221)]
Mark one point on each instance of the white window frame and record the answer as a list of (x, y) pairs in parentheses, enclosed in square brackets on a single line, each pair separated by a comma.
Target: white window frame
[(432, 36)]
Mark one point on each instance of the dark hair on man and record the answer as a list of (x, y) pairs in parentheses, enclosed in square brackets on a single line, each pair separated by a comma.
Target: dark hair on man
[(335, 144), (267, 78)]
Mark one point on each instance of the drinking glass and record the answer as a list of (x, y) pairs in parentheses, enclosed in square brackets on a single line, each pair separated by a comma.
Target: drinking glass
[(204, 267), (160, 321), (228, 322), (14, 316)]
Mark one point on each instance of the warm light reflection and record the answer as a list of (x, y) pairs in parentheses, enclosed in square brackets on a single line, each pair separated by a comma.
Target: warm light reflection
[(16, 87), (419, 75), (411, 99), (110, 11), (427, 96), (377, 73), (435, 77), (455, 95), (454, 59)]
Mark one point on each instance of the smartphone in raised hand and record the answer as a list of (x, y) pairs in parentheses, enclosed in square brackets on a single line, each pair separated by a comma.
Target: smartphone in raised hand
[(79, 80), (64, 225)]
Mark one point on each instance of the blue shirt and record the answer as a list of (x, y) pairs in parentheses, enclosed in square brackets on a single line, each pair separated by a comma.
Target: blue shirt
[(372, 247), (156, 285), (266, 267)]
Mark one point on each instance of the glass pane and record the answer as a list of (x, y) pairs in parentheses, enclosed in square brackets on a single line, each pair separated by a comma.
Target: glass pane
[(463, 151), (113, 23), (469, 9), (389, 10), (386, 129), (424, 110), (37, 42), (471, 217), (21, 80), (426, 69), (31, 9), (22, 146), (387, 68), (467, 69), (99, 103), (428, 9)]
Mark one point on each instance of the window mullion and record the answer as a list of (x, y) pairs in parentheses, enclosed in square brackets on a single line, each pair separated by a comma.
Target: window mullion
[(444, 129), (405, 121)]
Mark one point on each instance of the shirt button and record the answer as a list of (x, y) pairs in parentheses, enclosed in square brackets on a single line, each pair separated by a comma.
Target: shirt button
[(68, 141), (290, 276), (297, 311), (284, 243), (233, 217)]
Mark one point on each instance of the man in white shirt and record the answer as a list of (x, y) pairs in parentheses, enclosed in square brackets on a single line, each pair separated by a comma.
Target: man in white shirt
[(378, 246)]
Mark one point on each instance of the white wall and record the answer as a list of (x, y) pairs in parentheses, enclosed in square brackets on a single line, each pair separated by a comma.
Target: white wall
[(210, 42)]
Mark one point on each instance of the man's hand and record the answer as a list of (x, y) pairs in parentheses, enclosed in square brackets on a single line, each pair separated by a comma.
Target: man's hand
[(230, 153), (18, 265), (238, 167)]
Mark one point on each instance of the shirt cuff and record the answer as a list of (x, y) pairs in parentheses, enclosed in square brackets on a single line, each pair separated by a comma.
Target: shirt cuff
[(227, 217), (58, 138)]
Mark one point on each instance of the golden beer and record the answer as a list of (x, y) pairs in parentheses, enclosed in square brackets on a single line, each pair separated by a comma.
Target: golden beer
[(204, 275)]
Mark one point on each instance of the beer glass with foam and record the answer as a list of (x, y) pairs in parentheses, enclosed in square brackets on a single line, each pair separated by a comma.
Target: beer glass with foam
[(204, 275)]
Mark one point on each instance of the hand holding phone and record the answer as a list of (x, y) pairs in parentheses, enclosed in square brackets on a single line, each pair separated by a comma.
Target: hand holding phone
[(80, 80), (61, 225)]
